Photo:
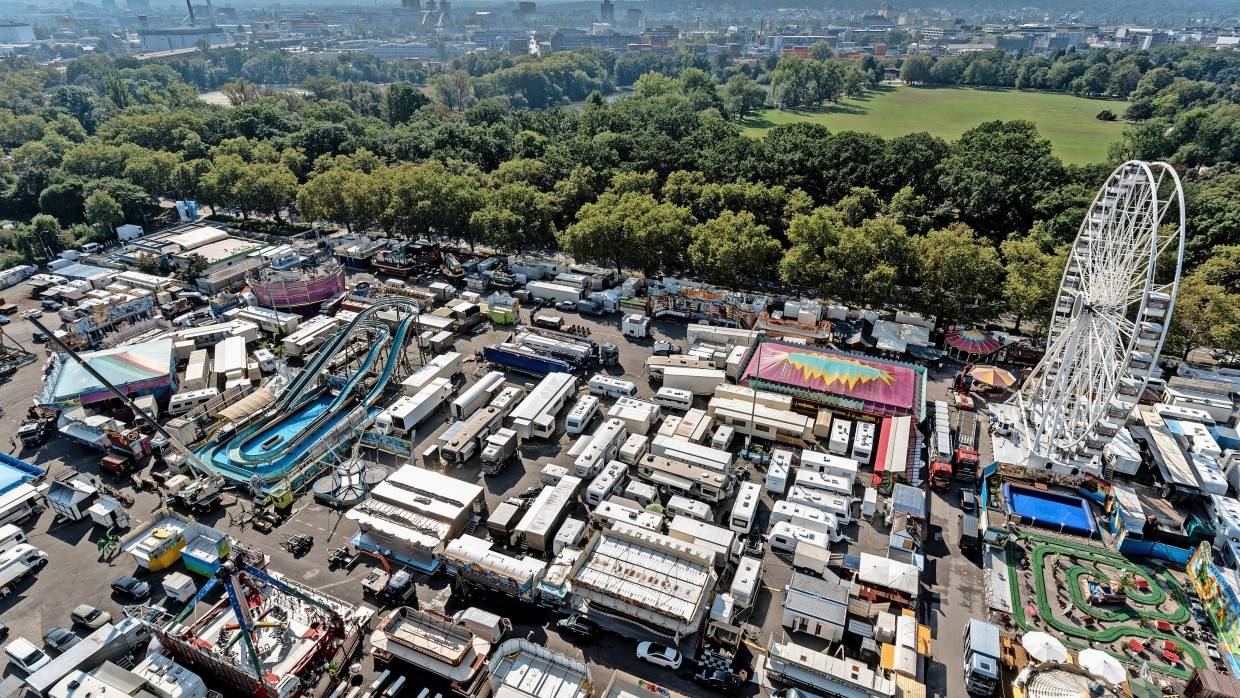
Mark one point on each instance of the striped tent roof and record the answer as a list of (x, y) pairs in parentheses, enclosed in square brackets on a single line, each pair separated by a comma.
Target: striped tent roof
[(122, 366)]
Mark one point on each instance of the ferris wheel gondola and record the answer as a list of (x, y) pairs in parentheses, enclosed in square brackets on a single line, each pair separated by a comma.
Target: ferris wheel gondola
[(1110, 316)]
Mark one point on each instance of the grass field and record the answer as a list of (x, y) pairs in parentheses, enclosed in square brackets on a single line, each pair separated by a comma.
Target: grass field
[(1069, 122)]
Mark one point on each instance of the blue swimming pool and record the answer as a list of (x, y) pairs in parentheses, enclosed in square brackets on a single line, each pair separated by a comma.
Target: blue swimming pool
[(1057, 512)]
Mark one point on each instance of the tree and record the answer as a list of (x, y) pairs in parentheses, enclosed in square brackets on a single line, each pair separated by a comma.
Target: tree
[(1205, 315), (193, 267), (453, 90), (148, 264), (1031, 284), (103, 212), (515, 217), (653, 84), (630, 230), (265, 187), (821, 51), (401, 101), (742, 96), (958, 275), (916, 70), (731, 247), (435, 199), (239, 92)]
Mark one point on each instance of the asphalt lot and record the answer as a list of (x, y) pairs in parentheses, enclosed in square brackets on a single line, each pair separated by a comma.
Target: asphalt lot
[(78, 574)]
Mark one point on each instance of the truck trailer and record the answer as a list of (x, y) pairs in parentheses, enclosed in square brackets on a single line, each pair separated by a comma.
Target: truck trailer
[(965, 459), (981, 657)]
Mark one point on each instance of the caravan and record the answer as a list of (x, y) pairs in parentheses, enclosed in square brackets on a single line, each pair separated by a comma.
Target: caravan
[(785, 537), (683, 506), (579, 417), (605, 484), (745, 509), (674, 398), (611, 387), (186, 402)]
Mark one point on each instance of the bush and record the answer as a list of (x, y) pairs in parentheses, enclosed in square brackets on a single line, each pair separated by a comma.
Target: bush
[(1106, 115)]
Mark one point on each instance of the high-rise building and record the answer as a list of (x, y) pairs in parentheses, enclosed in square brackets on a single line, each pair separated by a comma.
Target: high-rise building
[(607, 13), (413, 5)]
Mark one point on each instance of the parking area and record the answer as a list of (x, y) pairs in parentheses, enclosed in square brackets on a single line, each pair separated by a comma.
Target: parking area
[(79, 573)]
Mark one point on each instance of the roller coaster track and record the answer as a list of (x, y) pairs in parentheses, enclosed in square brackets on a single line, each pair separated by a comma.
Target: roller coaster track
[(300, 390)]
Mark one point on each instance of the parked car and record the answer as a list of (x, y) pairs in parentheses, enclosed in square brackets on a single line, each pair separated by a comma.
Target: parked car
[(4, 319), (719, 680), (659, 654), (4, 631), (60, 639), (968, 500), (132, 587), (26, 656), (52, 305), (90, 616), (566, 306), (33, 312), (39, 336), (583, 628)]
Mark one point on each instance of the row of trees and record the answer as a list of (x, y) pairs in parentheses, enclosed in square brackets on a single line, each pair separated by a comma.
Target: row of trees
[(659, 181)]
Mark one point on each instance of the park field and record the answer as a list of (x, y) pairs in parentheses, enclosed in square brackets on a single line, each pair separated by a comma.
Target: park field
[(1076, 136)]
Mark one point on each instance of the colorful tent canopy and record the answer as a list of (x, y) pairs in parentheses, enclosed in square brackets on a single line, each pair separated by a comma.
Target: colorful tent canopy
[(992, 375), (973, 342)]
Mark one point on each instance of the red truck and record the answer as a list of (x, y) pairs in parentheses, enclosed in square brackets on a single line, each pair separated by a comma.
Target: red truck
[(965, 459)]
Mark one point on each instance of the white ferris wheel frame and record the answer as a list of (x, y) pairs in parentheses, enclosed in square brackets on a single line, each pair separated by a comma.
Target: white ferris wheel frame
[(1098, 348)]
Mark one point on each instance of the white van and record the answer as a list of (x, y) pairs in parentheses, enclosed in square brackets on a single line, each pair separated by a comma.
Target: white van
[(674, 398), (785, 536), (10, 537), (608, 386), (184, 402), (26, 656), (91, 247), (683, 506), (266, 360), (583, 412)]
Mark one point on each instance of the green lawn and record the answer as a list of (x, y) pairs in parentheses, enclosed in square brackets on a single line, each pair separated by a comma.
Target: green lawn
[(1069, 123)]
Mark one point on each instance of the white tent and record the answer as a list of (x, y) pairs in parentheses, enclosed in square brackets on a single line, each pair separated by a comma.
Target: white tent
[(1102, 665), (889, 574), (1044, 648)]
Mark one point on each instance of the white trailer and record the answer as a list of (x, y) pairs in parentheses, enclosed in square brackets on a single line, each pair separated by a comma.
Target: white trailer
[(745, 582), (785, 536), (695, 454), (198, 374), (535, 416), (811, 558), (618, 509), (841, 507), (601, 448), (411, 410), (807, 517), (607, 483), (633, 448), (778, 472), (694, 427), (446, 365), (468, 439), (541, 522), (581, 415), (822, 481), (507, 399), (699, 381), (636, 326), (230, 355), (542, 290), (841, 431), (863, 442), (637, 415), (481, 393)]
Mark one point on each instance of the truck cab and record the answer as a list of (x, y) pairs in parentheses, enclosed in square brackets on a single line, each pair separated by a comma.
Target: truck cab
[(33, 432)]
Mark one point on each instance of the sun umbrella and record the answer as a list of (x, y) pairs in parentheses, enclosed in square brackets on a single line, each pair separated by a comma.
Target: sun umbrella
[(1044, 648), (992, 375), (972, 342), (1102, 665)]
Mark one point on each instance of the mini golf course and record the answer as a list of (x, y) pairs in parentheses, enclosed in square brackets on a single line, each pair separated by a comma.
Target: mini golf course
[(1111, 626)]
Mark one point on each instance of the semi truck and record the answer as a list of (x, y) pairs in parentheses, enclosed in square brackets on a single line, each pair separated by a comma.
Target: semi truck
[(499, 450), (981, 658), (965, 459)]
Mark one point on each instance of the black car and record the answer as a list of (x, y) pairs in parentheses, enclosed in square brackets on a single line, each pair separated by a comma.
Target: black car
[(4, 631), (60, 639), (39, 336), (719, 680), (968, 500), (131, 587), (583, 628)]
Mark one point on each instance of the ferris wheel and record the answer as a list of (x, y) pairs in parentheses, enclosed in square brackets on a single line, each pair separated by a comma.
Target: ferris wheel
[(1110, 316)]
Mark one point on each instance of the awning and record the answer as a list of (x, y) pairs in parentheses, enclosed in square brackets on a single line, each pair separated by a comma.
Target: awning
[(671, 480), (924, 353), (253, 403)]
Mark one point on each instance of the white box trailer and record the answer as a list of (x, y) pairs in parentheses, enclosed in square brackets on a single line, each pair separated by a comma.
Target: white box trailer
[(694, 427), (579, 418), (601, 449), (443, 366), (535, 416), (694, 454), (746, 582), (699, 381), (609, 482), (828, 464), (633, 448), (863, 442), (547, 513), (823, 481), (198, 374), (638, 415), (411, 410), (478, 395), (811, 558), (542, 290), (785, 536), (808, 517), (636, 326)]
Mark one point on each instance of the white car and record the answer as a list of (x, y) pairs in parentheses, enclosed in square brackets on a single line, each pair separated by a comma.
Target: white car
[(659, 654)]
